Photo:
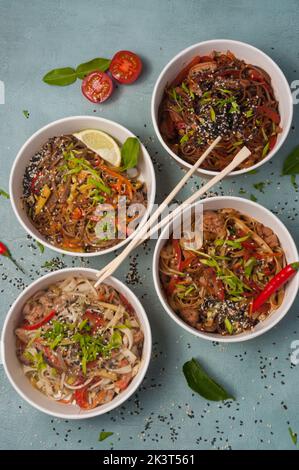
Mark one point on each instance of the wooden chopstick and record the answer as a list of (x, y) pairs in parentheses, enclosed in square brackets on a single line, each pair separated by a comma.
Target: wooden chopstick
[(144, 230), (239, 158)]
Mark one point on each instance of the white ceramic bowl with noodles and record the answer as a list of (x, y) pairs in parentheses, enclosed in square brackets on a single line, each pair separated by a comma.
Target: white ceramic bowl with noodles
[(249, 54), (13, 366), (287, 243), (70, 125)]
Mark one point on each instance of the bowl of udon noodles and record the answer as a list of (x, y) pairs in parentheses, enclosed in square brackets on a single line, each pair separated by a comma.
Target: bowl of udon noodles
[(73, 351), (70, 198), (221, 88), (207, 275)]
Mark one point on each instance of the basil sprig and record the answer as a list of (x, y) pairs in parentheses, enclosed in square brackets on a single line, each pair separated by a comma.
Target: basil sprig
[(67, 75), (200, 382), (129, 153)]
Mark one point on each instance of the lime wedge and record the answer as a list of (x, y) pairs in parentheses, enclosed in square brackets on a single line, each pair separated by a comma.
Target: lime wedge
[(102, 144)]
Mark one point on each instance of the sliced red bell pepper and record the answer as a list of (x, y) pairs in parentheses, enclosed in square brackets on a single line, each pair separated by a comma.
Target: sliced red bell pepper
[(256, 76), (94, 319), (270, 113), (188, 260), (172, 283), (272, 142), (184, 72), (178, 252), (81, 398), (37, 325), (126, 303)]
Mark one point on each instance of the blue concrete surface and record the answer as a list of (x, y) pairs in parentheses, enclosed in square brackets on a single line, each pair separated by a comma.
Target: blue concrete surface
[(36, 36)]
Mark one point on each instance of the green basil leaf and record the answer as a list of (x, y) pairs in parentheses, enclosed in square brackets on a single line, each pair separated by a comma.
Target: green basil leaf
[(4, 193), (291, 163), (199, 381), (293, 436), (130, 153), (60, 77), (104, 434), (40, 247), (95, 64)]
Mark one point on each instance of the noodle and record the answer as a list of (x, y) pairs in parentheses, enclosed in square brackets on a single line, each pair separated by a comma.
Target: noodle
[(88, 351), (220, 95)]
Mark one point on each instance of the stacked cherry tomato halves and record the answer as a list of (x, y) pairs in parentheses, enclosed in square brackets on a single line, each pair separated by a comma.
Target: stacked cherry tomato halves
[(125, 67)]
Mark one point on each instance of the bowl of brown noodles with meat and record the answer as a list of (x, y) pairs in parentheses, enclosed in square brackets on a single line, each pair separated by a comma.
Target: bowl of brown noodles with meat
[(208, 286), (221, 88)]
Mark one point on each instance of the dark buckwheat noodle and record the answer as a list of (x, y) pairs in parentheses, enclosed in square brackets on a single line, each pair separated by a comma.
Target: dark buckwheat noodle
[(216, 95), (74, 177)]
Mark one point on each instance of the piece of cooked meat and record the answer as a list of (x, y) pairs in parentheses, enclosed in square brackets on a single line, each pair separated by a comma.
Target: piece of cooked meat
[(189, 315), (267, 235), (213, 225)]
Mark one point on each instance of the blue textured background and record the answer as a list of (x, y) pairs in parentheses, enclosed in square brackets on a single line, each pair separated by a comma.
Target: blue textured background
[(36, 36)]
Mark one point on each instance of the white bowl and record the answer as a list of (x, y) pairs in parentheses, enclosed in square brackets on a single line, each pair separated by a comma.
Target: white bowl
[(243, 51), (13, 367), (68, 126), (287, 243)]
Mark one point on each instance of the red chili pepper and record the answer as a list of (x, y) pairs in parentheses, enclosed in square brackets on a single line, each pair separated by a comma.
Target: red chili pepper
[(4, 251), (270, 113), (276, 282), (178, 252), (45, 320)]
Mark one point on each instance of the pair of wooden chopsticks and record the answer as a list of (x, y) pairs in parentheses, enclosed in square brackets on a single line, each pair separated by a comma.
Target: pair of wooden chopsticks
[(146, 230)]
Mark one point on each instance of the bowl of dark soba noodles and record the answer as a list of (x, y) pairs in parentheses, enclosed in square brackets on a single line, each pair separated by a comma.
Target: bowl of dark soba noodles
[(221, 88), (82, 185), (75, 351), (208, 275)]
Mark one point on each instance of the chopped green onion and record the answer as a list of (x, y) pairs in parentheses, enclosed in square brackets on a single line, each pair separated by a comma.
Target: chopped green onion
[(229, 327)]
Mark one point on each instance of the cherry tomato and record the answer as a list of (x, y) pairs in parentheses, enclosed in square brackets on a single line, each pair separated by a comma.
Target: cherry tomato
[(125, 67), (97, 87)]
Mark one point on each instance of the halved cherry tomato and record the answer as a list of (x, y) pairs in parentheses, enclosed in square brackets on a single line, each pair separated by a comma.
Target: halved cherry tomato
[(97, 87), (125, 67)]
